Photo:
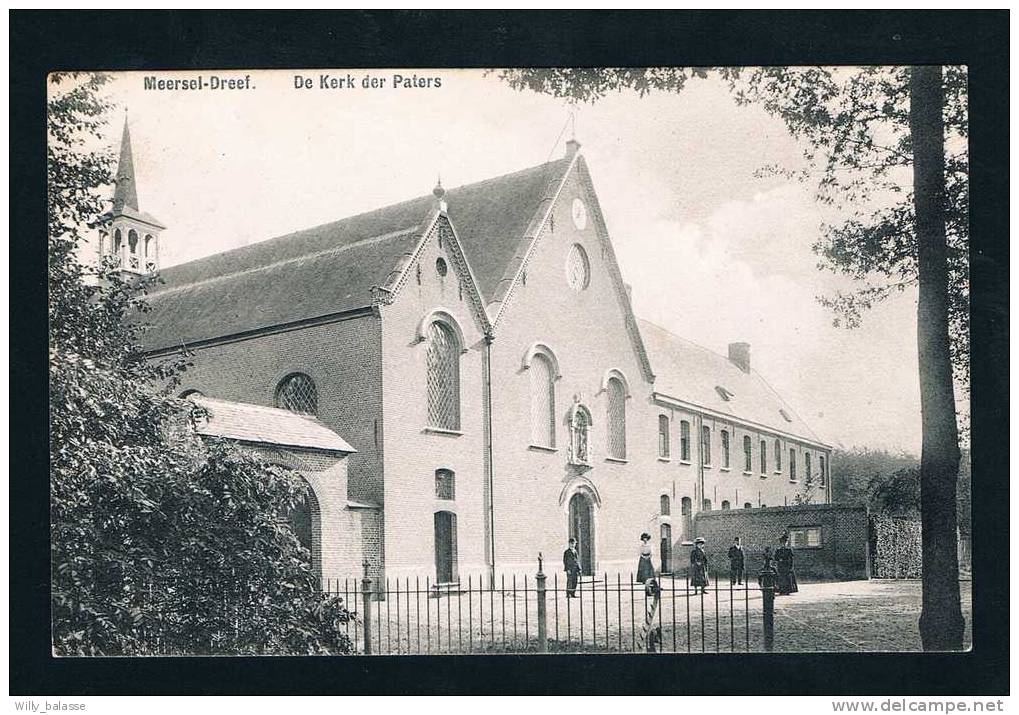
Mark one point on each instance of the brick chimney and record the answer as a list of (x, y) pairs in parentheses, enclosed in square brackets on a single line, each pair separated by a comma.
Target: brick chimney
[(739, 354)]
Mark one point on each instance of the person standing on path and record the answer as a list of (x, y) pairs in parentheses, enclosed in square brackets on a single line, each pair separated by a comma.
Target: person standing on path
[(571, 565), (645, 568), (699, 566), (785, 580), (737, 562)]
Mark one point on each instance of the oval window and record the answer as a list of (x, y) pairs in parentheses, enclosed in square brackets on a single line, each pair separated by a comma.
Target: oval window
[(578, 269)]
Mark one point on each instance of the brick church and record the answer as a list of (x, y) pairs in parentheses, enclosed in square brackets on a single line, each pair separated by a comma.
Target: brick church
[(463, 383)]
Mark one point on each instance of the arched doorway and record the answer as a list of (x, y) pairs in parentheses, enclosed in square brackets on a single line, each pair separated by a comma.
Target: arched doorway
[(582, 529), (445, 547), (666, 548)]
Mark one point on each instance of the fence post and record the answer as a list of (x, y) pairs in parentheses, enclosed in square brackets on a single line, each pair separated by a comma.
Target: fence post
[(366, 605), (766, 580), (539, 579)]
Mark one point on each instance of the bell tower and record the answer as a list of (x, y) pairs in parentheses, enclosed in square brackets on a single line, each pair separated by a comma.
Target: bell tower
[(129, 237)]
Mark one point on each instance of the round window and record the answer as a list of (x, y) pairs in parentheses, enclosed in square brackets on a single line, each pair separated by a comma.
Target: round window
[(578, 269), (441, 267)]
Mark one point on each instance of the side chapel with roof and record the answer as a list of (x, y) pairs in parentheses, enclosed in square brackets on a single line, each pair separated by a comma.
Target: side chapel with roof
[(462, 381)]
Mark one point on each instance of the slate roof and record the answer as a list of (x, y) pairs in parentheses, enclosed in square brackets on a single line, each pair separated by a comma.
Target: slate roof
[(331, 268), (267, 425), (688, 372)]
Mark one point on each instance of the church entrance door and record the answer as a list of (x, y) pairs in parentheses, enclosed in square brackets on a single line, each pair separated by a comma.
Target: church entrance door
[(445, 547), (582, 529)]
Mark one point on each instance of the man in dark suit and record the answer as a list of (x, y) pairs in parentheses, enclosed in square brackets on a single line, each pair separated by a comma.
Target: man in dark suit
[(736, 562), (571, 565)]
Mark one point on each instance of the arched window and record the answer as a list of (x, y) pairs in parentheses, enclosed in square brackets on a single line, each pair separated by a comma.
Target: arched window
[(792, 464), (764, 457), (685, 506), (616, 418), (778, 456), (725, 449), (663, 436), (822, 473), (443, 360), (542, 402), (305, 520), (806, 464), (132, 241), (725, 505), (445, 484), (748, 454), (684, 441), (747, 505), (148, 246), (296, 392), (707, 505), (118, 242), (666, 506), (705, 445)]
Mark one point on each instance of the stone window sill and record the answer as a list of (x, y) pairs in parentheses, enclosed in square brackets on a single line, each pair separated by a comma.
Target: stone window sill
[(777, 472), (724, 469), (617, 460), (708, 466), (443, 431), (764, 476), (687, 462), (747, 474), (541, 448), (665, 459)]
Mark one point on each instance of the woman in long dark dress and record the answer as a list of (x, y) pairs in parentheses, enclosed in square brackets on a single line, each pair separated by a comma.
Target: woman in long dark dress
[(785, 581), (645, 569), (699, 566)]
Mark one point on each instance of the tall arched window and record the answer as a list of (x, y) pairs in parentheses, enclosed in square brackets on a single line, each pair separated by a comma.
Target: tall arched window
[(305, 520), (443, 361), (542, 402), (685, 506), (445, 547), (296, 392), (616, 418), (806, 464), (684, 440), (663, 436), (705, 445), (666, 506), (764, 457), (792, 464), (725, 449), (778, 456), (118, 242), (748, 454), (822, 473)]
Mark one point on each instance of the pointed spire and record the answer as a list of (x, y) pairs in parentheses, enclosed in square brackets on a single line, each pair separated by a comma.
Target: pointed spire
[(125, 193)]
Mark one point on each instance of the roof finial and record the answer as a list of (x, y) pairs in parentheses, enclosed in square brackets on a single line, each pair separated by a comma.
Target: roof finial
[(440, 194), (572, 146)]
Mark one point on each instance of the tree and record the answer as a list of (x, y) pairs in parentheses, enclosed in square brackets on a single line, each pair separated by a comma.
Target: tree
[(864, 131), (160, 542)]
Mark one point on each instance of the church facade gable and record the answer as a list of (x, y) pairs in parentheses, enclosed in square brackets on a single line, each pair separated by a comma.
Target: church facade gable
[(563, 355)]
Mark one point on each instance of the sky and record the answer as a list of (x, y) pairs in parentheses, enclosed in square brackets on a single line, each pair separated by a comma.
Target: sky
[(714, 252)]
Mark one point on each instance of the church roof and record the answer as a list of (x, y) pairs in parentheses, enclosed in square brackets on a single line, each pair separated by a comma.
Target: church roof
[(689, 373), (267, 425), (332, 268)]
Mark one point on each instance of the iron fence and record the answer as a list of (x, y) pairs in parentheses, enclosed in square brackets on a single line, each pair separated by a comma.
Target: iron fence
[(607, 613)]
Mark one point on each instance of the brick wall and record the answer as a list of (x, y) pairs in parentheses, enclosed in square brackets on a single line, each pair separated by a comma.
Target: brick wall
[(843, 553)]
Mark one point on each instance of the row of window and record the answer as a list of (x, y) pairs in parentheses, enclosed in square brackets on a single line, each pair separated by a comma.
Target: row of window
[(664, 451), (686, 505), (297, 392)]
